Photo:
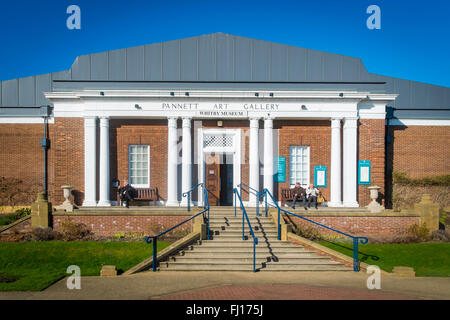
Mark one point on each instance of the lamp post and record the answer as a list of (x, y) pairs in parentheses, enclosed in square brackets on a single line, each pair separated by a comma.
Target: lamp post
[(45, 112)]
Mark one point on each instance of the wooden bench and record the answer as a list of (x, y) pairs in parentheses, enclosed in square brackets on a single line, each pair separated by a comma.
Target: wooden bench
[(144, 194), (286, 195)]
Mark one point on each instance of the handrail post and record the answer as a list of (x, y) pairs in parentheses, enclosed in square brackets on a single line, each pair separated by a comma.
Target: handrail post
[(243, 225), (355, 255), (234, 191), (155, 253), (265, 199), (254, 255), (257, 203), (189, 201), (279, 225)]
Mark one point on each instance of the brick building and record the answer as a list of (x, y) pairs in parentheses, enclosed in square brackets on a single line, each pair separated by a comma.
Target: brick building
[(221, 109)]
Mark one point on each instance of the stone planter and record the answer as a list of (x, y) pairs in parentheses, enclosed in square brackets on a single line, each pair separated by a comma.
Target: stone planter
[(66, 205), (374, 206)]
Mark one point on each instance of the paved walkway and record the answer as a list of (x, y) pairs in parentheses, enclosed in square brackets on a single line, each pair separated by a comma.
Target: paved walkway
[(243, 285)]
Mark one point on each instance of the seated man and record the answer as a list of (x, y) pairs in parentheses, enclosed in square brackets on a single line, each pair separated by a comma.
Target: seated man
[(312, 193), (299, 192), (127, 193)]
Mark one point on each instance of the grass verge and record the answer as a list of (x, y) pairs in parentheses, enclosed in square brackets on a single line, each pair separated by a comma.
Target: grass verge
[(427, 259), (37, 265)]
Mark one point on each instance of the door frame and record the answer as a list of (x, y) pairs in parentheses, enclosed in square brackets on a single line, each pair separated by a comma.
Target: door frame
[(235, 149)]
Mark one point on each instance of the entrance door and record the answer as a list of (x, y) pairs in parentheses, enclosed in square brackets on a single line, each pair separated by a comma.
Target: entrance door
[(212, 181), (219, 179)]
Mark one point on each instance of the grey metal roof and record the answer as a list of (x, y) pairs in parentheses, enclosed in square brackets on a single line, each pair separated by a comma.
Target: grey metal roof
[(214, 59)]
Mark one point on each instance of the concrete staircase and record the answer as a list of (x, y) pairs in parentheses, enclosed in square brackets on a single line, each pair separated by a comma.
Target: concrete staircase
[(226, 251)]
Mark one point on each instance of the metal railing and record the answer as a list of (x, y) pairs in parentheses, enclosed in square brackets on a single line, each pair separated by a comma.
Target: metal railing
[(356, 240), (257, 193), (244, 215), (204, 212)]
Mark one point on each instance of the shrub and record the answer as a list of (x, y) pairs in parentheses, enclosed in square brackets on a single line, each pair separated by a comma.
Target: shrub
[(44, 234), (402, 179), (419, 232), (22, 212), (308, 232), (74, 231), (440, 235)]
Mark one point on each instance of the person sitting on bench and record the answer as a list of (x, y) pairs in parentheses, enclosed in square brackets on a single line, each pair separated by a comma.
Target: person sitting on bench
[(127, 193), (312, 193), (299, 192)]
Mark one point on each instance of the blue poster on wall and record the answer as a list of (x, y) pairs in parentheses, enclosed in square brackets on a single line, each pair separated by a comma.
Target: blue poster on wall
[(364, 172), (281, 170), (320, 176)]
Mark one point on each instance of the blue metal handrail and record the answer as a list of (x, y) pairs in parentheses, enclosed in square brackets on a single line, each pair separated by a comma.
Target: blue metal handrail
[(356, 240), (257, 193), (189, 196), (154, 239), (244, 214)]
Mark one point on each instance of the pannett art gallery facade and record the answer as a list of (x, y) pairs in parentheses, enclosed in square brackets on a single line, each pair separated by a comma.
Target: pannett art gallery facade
[(221, 109)]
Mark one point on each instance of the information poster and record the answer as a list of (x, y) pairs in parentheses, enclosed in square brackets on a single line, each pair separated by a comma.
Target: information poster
[(320, 176), (364, 172), (281, 170)]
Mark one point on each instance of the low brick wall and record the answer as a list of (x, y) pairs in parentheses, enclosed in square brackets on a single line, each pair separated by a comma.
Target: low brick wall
[(367, 225), (103, 224)]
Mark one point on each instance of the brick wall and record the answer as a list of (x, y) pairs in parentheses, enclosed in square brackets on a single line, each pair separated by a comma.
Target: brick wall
[(21, 156), (366, 226), (316, 135), (372, 147), (420, 151), (112, 224), (66, 159), (151, 132)]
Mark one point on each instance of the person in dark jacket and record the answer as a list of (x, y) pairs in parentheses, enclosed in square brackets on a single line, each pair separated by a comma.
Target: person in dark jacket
[(127, 193), (299, 192)]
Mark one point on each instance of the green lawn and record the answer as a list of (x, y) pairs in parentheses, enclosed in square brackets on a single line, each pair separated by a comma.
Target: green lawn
[(427, 259), (37, 265)]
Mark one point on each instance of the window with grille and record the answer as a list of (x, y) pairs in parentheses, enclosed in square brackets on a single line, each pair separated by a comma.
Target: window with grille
[(299, 165), (139, 165)]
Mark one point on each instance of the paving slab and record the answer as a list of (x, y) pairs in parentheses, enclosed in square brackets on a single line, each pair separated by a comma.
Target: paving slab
[(166, 285)]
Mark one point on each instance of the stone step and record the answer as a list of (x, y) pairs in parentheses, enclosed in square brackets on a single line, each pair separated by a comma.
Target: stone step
[(237, 219), (248, 249), (259, 254), (249, 267), (249, 259), (260, 237), (244, 244), (268, 227)]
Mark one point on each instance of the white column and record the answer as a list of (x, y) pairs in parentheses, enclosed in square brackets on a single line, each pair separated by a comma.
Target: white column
[(172, 163), (186, 160), (90, 162), (350, 136), (268, 154), (104, 163), (335, 172), (254, 159)]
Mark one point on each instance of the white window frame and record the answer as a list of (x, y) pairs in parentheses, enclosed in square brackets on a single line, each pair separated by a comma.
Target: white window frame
[(308, 165), (142, 185)]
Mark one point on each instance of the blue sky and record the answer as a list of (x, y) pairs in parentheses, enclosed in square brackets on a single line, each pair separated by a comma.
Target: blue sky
[(413, 42)]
